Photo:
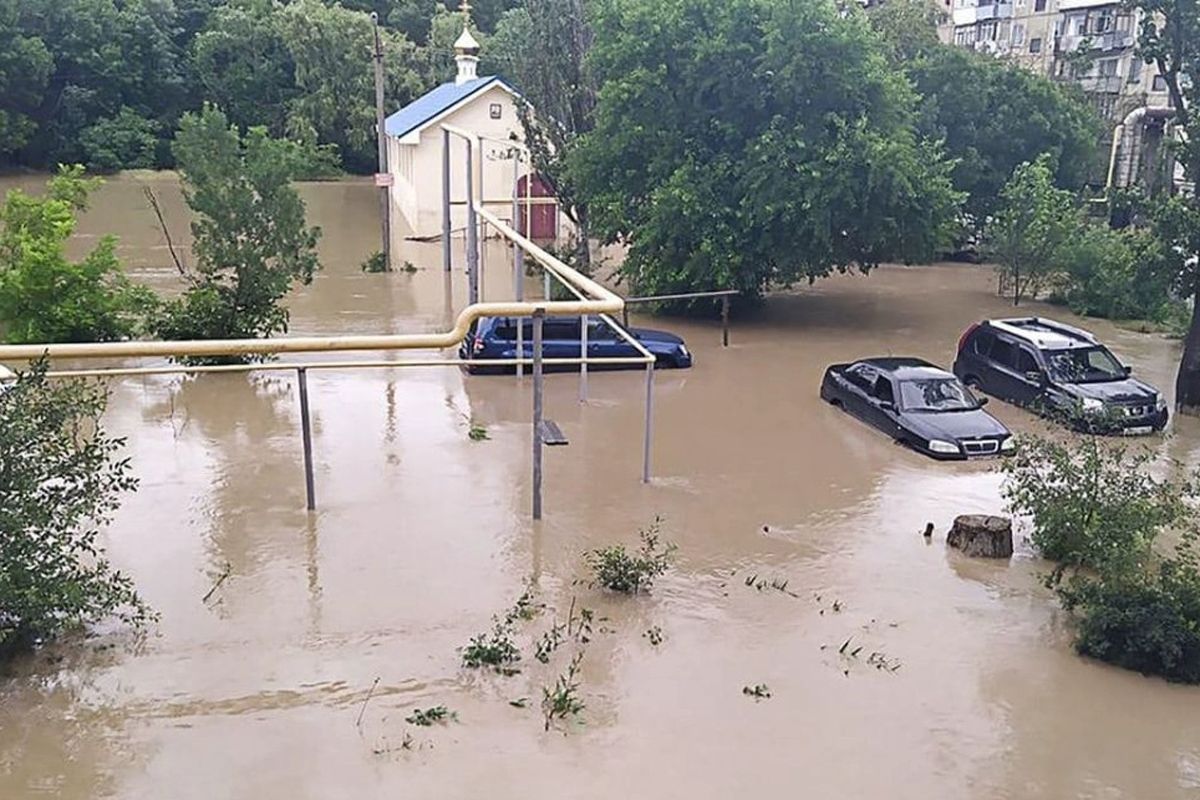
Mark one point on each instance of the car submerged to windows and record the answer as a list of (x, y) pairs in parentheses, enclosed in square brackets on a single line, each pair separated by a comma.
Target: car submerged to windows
[(919, 405), (495, 338), (1060, 371)]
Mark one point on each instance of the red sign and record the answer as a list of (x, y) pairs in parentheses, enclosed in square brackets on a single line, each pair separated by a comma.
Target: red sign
[(384, 179)]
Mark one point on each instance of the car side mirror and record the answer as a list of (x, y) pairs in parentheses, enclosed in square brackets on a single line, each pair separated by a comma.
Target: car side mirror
[(983, 401), (1127, 370)]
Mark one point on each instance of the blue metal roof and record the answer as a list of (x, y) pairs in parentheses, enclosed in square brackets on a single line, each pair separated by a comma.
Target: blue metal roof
[(434, 102)]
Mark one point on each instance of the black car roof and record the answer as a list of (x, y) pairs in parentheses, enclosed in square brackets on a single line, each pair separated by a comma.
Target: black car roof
[(902, 367)]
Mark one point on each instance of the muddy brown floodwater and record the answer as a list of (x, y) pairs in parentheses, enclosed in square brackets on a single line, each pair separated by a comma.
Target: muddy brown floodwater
[(423, 535)]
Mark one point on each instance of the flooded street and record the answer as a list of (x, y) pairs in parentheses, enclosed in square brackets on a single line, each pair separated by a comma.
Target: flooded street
[(422, 535)]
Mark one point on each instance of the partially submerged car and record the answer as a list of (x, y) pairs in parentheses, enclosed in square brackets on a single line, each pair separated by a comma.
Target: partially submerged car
[(1060, 371), (496, 338), (919, 405), (7, 378)]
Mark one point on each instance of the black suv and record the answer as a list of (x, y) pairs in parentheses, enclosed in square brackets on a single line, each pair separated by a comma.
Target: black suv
[(1060, 371)]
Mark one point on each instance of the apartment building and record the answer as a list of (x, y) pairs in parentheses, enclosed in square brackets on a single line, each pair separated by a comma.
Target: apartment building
[(1091, 43)]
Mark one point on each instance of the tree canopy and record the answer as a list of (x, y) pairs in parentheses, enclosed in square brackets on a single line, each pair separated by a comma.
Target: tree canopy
[(743, 142), (991, 115)]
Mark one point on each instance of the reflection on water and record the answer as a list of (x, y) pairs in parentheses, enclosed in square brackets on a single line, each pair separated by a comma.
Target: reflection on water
[(422, 535)]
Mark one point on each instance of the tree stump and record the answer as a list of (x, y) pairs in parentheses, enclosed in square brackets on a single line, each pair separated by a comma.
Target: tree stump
[(982, 536)]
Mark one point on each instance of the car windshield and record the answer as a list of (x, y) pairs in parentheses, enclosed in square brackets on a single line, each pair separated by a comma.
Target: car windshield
[(936, 394), (1084, 365)]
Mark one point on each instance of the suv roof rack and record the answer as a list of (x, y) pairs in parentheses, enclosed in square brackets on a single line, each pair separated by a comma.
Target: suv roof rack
[(1044, 332)]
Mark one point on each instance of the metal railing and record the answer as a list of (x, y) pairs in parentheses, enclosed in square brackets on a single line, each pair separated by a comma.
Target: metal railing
[(592, 298), (724, 294)]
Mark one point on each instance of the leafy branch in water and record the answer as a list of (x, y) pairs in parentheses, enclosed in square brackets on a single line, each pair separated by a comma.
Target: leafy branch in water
[(618, 570), (424, 718), (562, 700)]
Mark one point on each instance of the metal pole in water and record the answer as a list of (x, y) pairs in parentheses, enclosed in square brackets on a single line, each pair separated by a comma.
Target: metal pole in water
[(381, 135), (649, 422), (306, 433), (583, 352), (539, 316), (725, 321), (518, 261), (446, 200), (472, 233)]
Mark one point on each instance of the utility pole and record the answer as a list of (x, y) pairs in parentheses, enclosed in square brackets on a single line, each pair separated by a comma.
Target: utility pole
[(384, 178)]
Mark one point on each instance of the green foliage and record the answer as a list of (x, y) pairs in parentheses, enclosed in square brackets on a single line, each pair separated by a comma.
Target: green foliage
[(125, 141), (331, 49), (496, 649), (1117, 274), (250, 237), (617, 569), (375, 263), (25, 68), (740, 143), (61, 478), (993, 117), (1033, 224), (1098, 511), (759, 691), (244, 66), (427, 717), (561, 700), (1093, 503), (43, 296), (543, 47)]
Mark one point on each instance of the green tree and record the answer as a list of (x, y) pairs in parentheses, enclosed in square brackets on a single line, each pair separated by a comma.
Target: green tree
[(1033, 225), (1098, 510), (543, 47), (1169, 38), (740, 143), (991, 115), (43, 296), (1118, 274), (244, 65), (251, 242), (61, 479), (331, 48), (125, 141), (25, 67)]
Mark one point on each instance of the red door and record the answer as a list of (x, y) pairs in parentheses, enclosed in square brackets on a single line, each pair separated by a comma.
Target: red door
[(542, 224)]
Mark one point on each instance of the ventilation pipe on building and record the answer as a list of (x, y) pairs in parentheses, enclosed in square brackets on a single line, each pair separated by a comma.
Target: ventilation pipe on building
[(1124, 158)]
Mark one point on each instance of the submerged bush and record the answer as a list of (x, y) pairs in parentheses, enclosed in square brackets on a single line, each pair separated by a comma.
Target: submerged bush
[(1098, 512), (1149, 623), (617, 569), (61, 478)]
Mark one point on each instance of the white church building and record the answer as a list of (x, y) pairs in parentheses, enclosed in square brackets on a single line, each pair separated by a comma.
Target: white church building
[(482, 106)]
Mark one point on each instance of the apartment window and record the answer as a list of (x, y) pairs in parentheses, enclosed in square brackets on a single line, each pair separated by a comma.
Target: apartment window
[(1035, 44), (1135, 70), (1125, 23), (1039, 5), (1160, 83), (1107, 67), (987, 32), (1018, 34), (1103, 23)]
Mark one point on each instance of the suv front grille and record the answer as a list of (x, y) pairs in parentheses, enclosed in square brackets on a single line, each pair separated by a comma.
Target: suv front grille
[(1138, 411), (981, 447)]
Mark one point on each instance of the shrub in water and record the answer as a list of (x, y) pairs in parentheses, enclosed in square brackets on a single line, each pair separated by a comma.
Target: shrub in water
[(617, 569)]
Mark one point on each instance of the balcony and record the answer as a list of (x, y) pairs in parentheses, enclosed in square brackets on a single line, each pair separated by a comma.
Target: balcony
[(1100, 42), (985, 11)]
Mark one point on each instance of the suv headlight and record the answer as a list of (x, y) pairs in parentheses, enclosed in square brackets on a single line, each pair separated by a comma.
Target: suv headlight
[(939, 446), (1008, 445), (1091, 405), (1160, 401)]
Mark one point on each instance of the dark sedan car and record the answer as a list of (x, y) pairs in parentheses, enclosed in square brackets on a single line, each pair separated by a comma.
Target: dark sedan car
[(496, 338), (919, 405)]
